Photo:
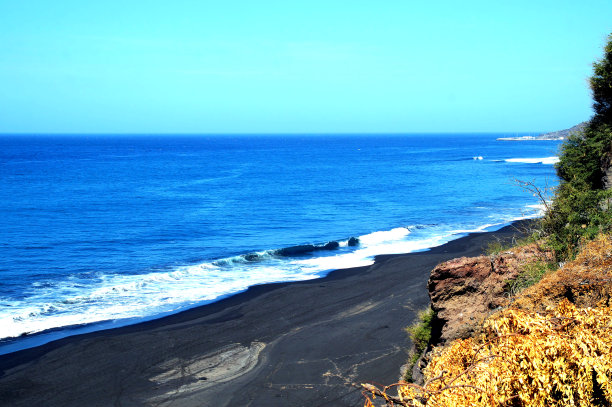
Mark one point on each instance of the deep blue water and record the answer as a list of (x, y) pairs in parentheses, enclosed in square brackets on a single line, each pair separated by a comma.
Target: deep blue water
[(104, 228)]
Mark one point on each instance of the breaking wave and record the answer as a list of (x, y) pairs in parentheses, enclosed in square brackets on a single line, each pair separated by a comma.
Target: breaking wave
[(543, 160)]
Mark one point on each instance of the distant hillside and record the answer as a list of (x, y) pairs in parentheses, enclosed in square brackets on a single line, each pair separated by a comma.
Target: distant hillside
[(563, 134), (555, 135)]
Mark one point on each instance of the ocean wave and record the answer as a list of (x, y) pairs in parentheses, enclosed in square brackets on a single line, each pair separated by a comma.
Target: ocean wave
[(384, 236), (138, 296), (542, 160), (538, 209)]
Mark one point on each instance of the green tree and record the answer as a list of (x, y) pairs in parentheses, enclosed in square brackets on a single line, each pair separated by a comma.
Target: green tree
[(583, 155), (601, 85), (580, 208)]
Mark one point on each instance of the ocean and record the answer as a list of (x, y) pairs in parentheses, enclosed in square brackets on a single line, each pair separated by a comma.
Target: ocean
[(107, 230)]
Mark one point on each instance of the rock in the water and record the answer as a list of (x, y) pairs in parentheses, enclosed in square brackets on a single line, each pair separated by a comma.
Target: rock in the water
[(297, 250), (331, 246), (353, 241), (306, 249)]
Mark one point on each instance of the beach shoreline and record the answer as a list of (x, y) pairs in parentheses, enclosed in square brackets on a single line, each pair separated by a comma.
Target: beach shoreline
[(291, 343)]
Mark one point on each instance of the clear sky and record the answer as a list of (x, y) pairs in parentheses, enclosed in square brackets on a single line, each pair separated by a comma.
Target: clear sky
[(303, 67)]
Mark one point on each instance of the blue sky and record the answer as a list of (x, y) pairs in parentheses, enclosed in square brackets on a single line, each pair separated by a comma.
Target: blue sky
[(300, 67)]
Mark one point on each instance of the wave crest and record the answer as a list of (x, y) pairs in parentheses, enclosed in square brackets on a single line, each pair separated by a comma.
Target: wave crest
[(542, 160)]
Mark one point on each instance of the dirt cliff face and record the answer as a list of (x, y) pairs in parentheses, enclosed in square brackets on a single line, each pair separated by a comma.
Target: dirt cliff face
[(466, 290)]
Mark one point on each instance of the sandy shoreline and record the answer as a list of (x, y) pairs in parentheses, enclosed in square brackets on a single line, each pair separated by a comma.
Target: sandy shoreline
[(297, 343)]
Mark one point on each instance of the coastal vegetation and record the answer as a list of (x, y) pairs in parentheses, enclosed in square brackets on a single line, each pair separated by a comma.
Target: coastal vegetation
[(551, 345), (420, 335), (497, 247), (530, 274)]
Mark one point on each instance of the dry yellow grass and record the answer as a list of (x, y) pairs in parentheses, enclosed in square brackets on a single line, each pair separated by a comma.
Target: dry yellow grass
[(586, 281)]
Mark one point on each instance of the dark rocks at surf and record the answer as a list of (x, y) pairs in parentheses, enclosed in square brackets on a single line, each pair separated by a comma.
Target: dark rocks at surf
[(310, 248), (252, 257), (331, 246), (300, 250)]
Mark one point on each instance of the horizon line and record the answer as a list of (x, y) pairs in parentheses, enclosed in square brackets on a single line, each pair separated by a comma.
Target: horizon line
[(261, 133)]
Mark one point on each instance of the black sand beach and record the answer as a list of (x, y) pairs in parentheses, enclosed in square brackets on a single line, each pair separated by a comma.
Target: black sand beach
[(289, 344)]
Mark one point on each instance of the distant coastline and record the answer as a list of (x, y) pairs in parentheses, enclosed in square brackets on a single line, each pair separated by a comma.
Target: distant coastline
[(555, 135)]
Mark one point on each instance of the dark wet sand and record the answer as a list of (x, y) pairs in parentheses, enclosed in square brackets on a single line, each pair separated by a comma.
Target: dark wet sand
[(288, 344)]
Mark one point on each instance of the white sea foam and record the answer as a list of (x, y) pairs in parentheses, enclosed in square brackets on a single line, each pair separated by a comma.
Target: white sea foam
[(542, 160), (384, 236), (537, 209), (138, 296)]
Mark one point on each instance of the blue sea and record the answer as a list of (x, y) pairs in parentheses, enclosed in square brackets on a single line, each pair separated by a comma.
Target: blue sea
[(103, 231)]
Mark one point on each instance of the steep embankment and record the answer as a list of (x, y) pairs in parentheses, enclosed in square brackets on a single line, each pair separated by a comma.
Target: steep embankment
[(464, 291)]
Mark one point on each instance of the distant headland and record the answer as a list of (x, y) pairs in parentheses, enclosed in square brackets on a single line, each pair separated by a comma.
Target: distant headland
[(555, 135)]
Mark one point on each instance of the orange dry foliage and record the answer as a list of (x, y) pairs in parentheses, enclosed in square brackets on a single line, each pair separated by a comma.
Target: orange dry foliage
[(560, 355), (559, 358)]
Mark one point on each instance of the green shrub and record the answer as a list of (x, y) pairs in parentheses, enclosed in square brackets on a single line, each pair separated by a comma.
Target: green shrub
[(530, 274), (577, 214), (580, 158), (496, 247), (420, 331), (420, 335)]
